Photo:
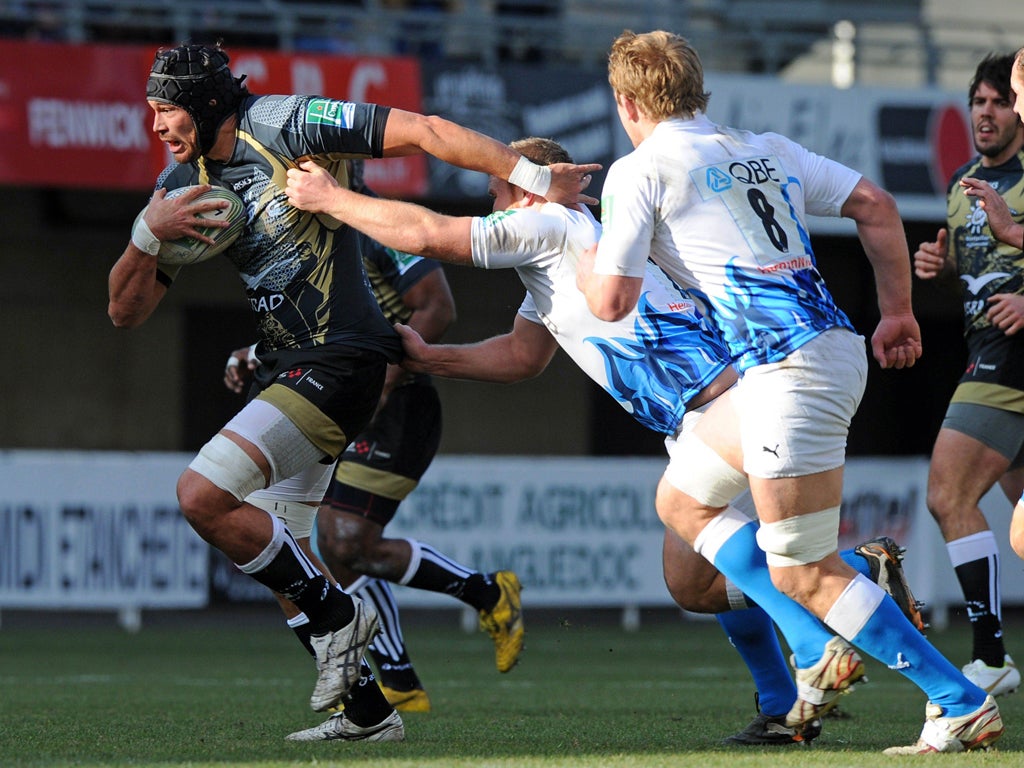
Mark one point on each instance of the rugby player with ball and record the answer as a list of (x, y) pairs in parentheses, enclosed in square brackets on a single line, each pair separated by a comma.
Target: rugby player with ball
[(323, 341), (215, 229)]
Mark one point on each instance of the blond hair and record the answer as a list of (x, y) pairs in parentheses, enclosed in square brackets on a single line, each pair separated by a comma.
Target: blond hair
[(541, 151), (659, 71)]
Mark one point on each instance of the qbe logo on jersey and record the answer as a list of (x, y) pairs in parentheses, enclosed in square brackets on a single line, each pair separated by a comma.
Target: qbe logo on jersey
[(338, 114), (755, 191)]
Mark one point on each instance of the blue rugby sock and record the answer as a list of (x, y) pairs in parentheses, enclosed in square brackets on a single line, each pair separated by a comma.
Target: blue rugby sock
[(855, 561), (730, 542), (866, 616), (752, 634)]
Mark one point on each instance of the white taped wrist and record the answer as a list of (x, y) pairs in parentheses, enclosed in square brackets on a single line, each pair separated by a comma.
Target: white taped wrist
[(144, 239), (531, 177)]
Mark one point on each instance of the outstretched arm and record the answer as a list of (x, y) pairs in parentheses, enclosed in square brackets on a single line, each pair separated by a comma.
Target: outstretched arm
[(409, 133), (896, 342), (395, 224), (515, 356)]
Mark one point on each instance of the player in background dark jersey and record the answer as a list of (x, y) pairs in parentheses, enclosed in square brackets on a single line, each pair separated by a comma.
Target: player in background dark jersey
[(384, 464), (323, 340), (981, 441), (1011, 232)]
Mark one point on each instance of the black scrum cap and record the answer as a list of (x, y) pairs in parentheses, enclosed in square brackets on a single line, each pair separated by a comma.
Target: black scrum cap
[(197, 79)]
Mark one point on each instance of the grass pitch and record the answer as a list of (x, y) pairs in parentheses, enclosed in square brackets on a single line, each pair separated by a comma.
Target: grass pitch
[(188, 691)]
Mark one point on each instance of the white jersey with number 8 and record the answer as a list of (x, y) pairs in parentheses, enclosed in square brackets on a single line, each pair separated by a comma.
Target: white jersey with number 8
[(723, 211)]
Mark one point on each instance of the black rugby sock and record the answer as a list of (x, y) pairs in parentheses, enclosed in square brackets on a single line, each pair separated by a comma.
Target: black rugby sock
[(365, 704)]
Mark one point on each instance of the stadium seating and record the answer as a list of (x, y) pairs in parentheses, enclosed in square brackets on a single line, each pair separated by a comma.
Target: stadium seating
[(917, 40)]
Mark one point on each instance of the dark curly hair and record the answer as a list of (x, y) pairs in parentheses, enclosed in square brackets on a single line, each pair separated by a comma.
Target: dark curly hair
[(994, 70)]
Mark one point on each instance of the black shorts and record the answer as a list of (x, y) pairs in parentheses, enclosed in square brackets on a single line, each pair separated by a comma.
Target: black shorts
[(386, 461), (994, 376), (328, 393)]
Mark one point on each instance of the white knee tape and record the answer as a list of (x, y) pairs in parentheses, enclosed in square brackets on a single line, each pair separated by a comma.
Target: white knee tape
[(802, 539), (719, 530), (737, 600), (297, 515), (278, 539), (696, 470), (226, 465), (854, 607)]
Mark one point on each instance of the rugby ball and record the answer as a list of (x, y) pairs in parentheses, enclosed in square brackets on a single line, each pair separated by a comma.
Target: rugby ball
[(189, 250)]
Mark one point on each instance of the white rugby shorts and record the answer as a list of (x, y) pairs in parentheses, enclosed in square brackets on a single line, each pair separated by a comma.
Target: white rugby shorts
[(795, 415)]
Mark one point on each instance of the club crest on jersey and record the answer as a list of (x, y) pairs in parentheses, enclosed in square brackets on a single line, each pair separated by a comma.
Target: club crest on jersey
[(339, 114), (977, 218)]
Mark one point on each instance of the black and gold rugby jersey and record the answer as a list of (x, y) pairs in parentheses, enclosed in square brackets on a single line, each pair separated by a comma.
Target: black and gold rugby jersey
[(303, 272), (985, 265), (391, 274)]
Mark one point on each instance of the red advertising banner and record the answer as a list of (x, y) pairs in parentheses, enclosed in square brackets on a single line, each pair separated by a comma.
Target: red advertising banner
[(76, 115)]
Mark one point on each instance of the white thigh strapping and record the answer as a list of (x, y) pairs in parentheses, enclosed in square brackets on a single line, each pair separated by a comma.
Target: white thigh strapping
[(795, 415), (223, 462), (696, 470), (286, 448)]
